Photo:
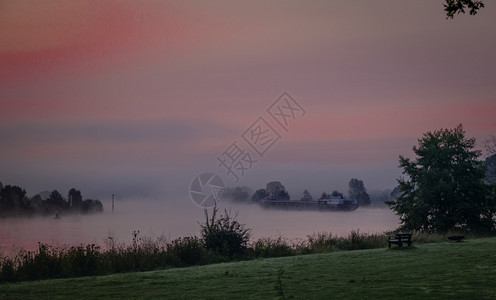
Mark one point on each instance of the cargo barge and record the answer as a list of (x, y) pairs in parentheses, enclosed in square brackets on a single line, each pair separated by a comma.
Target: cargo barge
[(331, 204)]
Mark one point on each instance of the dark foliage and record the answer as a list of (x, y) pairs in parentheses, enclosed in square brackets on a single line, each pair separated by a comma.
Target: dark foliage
[(325, 196), (444, 189), (75, 199), (259, 195), (145, 254), (91, 206), (356, 190), (14, 202), (224, 235), (282, 195), (306, 196), (453, 7)]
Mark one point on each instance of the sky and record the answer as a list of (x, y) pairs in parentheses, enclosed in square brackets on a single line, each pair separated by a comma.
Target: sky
[(137, 97)]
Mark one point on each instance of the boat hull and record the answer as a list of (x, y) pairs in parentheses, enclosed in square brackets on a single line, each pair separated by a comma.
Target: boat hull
[(307, 205)]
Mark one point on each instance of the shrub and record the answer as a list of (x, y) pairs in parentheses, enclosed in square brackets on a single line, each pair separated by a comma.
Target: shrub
[(225, 235)]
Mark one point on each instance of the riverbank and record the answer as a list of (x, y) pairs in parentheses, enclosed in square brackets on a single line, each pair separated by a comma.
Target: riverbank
[(436, 270)]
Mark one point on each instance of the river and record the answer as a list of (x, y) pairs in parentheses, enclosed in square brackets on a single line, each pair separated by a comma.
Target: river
[(158, 219)]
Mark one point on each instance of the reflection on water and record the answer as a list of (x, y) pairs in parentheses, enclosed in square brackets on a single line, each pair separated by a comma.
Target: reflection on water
[(163, 219)]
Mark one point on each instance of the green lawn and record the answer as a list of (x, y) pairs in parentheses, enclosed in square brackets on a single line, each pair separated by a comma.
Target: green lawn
[(465, 270)]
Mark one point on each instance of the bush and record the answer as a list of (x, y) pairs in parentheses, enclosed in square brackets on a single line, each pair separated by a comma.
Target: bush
[(224, 236)]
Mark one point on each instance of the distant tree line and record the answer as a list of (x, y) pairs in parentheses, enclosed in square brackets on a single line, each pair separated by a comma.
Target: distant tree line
[(15, 202), (277, 191)]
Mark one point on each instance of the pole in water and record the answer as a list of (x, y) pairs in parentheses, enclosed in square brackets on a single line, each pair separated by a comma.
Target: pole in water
[(112, 202)]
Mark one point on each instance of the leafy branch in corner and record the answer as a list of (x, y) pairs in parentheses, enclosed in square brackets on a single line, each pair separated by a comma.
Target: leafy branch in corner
[(453, 7)]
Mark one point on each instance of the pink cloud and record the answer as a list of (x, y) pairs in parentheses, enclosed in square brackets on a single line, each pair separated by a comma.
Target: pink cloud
[(41, 40), (369, 121)]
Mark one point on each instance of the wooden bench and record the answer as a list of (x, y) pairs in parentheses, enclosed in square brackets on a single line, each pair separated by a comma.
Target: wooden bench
[(400, 239), (456, 238)]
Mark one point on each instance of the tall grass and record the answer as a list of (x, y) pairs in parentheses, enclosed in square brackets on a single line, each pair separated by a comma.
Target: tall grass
[(145, 253)]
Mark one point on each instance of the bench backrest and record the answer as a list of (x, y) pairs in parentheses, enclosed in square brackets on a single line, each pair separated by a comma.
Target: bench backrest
[(403, 236)]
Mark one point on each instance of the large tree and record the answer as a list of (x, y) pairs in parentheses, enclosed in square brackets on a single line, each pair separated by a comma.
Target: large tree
[(444, 188), (356, 190)]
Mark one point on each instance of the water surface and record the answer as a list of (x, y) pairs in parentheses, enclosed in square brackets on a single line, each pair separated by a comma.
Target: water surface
[(155, 219)]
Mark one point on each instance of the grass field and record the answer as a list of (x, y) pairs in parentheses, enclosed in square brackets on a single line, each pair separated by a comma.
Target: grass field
[(465, 270)]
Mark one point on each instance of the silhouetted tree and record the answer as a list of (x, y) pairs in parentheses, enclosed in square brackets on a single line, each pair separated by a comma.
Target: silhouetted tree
[(37, 203), (453, 7), (282, 195), (13, 200), (337, 194), (76, 198), (276, 189), (56, 202), (273, 188), (356, 190), (259, 195), (444, 189), (91, 206), (325, 196), (306, 196)]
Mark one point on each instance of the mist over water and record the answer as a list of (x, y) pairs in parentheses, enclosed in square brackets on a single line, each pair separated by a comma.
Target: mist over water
[(180, 218)]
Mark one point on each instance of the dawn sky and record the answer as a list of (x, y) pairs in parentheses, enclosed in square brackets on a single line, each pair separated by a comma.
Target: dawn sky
[(137, 97)]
